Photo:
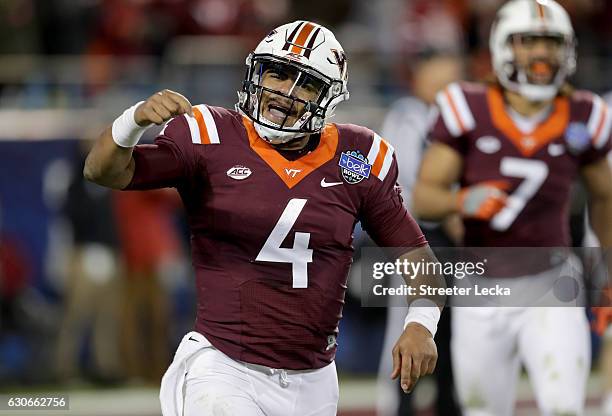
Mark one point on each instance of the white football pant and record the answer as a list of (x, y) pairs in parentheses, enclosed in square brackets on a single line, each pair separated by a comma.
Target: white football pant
[(489, 344), (217, 385)]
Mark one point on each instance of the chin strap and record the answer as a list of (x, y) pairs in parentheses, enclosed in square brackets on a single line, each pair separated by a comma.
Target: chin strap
[(273, 136), (533, 92), (538, 92)]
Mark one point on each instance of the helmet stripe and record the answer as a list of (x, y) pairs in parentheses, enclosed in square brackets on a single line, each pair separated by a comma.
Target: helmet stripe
[(298, 45), (311, 43), (289, 39)]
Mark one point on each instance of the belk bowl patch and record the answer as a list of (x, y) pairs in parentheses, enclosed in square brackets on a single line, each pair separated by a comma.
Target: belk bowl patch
[(354, 166), (577, 137)]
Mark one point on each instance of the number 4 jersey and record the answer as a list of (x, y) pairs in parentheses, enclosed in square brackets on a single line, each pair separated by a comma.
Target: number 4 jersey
[(538, 167), (271, 237)]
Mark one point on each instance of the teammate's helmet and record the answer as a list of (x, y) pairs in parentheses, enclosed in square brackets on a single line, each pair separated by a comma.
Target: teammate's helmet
[(531, 17), (313, 55)]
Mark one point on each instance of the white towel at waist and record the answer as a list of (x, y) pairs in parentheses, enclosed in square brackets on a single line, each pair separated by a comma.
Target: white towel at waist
[(171, 391)]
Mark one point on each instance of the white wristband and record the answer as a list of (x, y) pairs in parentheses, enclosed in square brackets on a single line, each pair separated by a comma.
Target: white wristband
[(126, 132), (425, 312)]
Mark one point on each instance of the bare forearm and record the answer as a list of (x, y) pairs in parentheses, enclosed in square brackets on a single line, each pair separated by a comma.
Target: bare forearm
[(415, 350), (112, 165), (433, 203), (597, 178), (601, 220), (108, 164), (427, 276), (433, 197)]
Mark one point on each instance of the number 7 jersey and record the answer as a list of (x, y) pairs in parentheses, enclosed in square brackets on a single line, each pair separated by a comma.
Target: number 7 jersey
[(271, 237), (538, 167)]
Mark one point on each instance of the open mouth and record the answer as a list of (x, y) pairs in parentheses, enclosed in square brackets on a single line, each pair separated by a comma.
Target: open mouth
[(541, 72), (277, 112)]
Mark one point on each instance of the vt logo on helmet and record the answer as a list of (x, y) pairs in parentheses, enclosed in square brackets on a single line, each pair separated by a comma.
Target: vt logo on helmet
[(533, 48), (295, 78)]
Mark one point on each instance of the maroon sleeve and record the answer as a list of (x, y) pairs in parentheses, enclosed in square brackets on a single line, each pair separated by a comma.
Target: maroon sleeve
[(584, 112), (385, 218), (440, 134), (598, 149), (594, 154), (167, 163)]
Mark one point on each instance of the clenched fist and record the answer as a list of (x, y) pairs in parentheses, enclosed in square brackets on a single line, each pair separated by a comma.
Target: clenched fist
[(483, 200), (414, 355), (161, 107)]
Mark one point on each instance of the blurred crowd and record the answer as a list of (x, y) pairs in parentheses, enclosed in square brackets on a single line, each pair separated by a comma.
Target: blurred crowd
[(103, 314), (84, 47), (123, 27), (109, 277)]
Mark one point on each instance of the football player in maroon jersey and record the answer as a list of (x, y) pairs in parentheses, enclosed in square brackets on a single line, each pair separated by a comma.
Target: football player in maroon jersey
[(272, 193), (515, 147)]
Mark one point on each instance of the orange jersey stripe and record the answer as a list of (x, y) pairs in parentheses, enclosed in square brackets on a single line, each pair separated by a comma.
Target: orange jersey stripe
[(602, 122), (455, 111), (201, 126), (298, 45), (380, 158)]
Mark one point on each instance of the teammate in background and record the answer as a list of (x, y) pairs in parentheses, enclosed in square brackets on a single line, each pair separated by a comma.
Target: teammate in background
[(272, 193), (603, 320), (531, 131), (406, 127)]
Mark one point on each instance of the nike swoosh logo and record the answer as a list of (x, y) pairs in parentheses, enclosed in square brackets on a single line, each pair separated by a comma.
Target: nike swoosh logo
[(193, 339), (328, 184)]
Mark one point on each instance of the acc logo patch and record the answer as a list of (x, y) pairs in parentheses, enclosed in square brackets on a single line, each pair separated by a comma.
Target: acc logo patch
[(488, 144), (239, 172), (354, 166), (577, 137), (556, 149)]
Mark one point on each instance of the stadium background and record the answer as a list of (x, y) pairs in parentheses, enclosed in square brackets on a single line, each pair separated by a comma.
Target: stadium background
[(68, 67)]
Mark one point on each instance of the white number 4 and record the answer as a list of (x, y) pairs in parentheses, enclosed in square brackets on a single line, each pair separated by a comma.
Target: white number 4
[(534, 173), (299, 255)]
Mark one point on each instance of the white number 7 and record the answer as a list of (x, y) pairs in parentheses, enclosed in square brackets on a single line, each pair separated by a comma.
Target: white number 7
[(299, 255), (534, 173)]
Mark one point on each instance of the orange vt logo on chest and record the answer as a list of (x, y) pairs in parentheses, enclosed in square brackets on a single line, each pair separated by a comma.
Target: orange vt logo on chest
[(292, 172)]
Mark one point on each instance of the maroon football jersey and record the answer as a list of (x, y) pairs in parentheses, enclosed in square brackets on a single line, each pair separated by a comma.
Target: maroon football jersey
[(539, 168), (271, 237)]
